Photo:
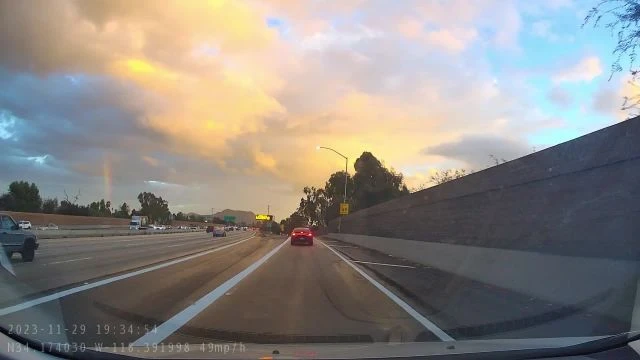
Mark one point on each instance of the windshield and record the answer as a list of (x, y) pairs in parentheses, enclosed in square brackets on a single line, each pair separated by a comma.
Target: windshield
[(217, 175)]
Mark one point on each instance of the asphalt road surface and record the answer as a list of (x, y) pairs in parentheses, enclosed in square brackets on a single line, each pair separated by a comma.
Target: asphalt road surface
[(192, 288)]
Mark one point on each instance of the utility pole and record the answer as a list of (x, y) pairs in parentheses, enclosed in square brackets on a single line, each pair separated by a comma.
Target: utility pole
[(346, 177)]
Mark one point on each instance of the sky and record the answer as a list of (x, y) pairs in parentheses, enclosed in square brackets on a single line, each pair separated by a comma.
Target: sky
[(220, 104)]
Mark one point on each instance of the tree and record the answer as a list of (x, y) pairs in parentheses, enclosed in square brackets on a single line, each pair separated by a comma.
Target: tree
[(294, 220), (49, 206), (623, 17), (443, 176), (275, 228), (180, 216), (314, 206), (23, 197), (100, 208), (334, 193), (374, 183), (69, 206), (7, 202), (123, 211), (156, 208), (497, 161)]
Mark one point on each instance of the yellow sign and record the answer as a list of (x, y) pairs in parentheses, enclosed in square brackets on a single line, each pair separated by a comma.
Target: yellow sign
[(264, 217), (344, 209)]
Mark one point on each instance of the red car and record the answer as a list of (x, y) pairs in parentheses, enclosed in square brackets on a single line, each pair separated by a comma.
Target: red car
[(301, 235)]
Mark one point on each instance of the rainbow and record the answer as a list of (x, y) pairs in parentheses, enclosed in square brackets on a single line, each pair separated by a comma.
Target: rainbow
[(106, 177)]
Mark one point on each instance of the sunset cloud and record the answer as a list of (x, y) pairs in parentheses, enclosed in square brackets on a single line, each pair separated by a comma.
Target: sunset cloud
[(223, 95)]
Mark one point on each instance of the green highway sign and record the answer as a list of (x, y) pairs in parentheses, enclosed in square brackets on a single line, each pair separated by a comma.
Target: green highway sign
[(229, 218)]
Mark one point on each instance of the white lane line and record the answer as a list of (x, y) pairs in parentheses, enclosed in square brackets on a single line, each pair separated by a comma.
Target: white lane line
[(382, 264), (174, 245), (68, 261), (58, 295), (344, 246), (180, 319), (406, 307)]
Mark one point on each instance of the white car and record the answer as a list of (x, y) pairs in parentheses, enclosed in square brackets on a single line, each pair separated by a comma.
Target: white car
[(24, 225)]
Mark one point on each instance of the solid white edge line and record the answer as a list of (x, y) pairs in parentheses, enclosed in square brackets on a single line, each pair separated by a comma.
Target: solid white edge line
[(68, 261), (60, 294), (382, 264), (406, 307), (180, 319)]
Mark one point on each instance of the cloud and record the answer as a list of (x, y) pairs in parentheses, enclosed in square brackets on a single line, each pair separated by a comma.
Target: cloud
[(542, 28), (475, 150), (585, 70), (454, 40), (560, 97), (332, 37), (220, 95), (609, 98)]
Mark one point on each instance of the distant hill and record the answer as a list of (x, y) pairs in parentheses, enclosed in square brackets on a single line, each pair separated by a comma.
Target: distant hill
[(247, 217)]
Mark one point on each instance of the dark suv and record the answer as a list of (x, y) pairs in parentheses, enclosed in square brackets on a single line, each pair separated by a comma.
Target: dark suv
[(16, 240)]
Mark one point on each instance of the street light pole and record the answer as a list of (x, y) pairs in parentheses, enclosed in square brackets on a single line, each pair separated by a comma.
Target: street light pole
[(346, 176)]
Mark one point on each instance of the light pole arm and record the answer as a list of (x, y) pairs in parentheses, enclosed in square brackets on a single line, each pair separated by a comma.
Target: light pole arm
[(328, 148), (346, 177)]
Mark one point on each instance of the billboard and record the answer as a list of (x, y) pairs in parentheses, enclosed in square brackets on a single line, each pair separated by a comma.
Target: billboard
[(264, 217)]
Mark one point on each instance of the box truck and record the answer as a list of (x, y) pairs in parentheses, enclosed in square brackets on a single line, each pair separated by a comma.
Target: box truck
[(139, 223)]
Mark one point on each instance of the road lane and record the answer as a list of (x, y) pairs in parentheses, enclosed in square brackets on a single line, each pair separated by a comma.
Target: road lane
[(303, 294), (121, 311), (52, 271), (469, 309)]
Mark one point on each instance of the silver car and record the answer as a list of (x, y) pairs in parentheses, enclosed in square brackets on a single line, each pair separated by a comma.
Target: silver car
[(16, 240), (219, 232)]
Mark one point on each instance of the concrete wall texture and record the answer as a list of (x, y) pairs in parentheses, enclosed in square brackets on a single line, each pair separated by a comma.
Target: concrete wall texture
[(561, 224), (579, 198)]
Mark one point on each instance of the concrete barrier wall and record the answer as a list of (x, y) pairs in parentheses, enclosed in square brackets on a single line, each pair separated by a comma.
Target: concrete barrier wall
[(68, 221), (561, 224), (579, 198), (80, 233), (555, 278), (82, 222)]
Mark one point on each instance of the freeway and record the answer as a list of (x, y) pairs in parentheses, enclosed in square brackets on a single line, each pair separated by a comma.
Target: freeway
[(192, 288)]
